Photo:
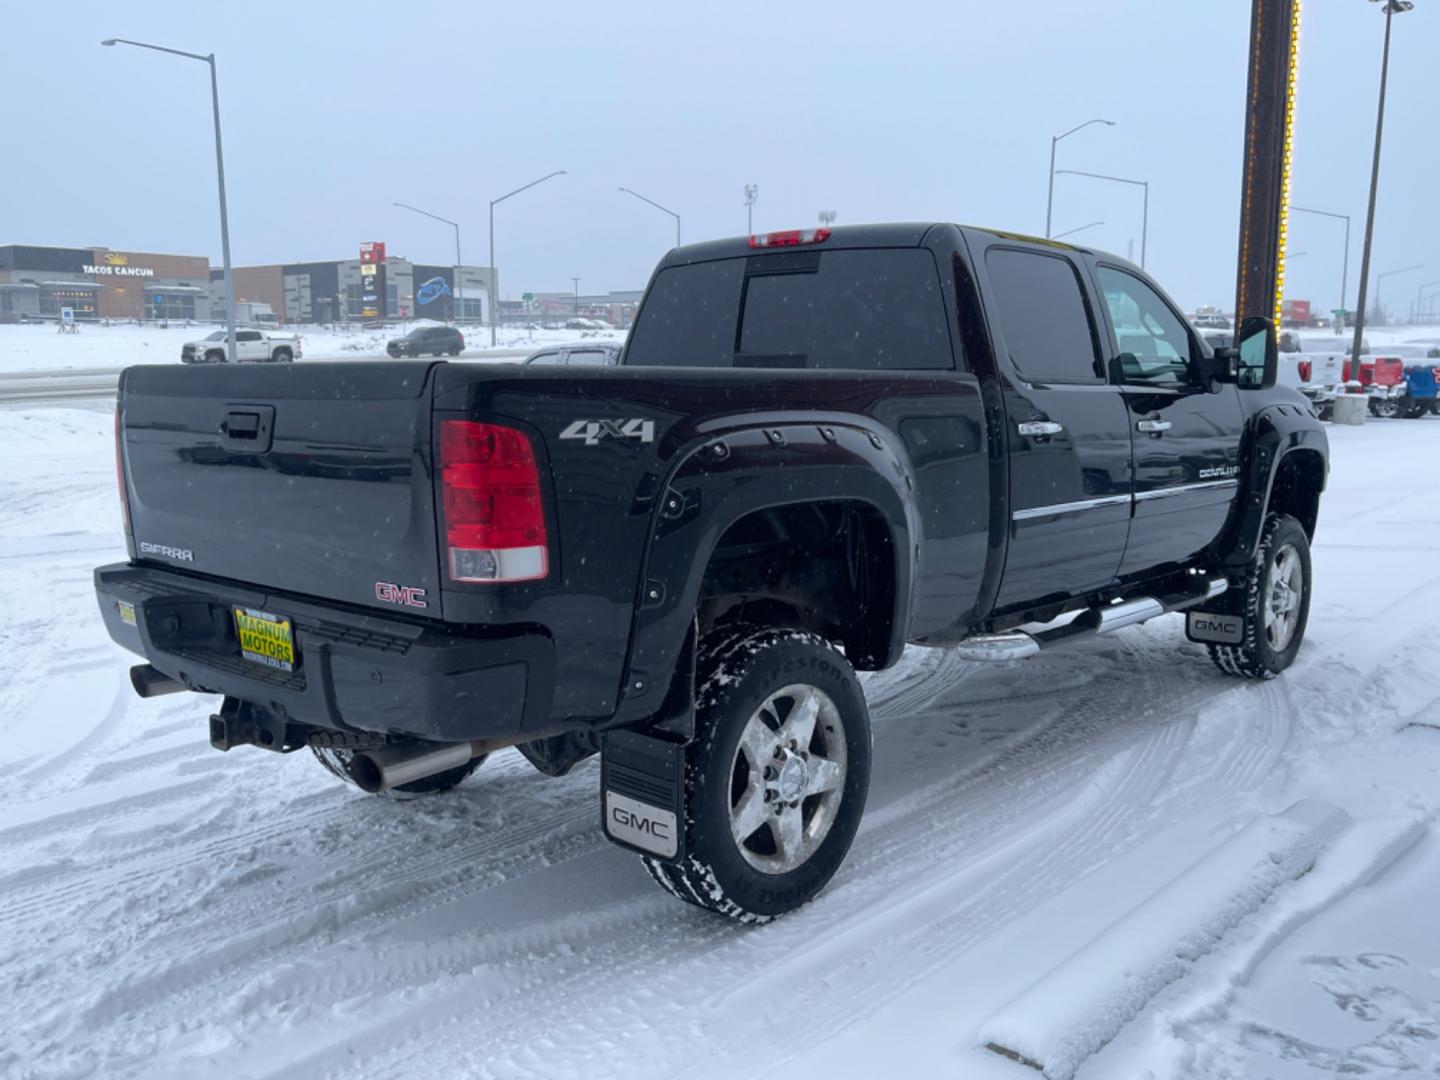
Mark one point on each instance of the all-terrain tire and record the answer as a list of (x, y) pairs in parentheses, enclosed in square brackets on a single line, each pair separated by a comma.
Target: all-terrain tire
[(1257, 656), (741, 669), (337, 761)]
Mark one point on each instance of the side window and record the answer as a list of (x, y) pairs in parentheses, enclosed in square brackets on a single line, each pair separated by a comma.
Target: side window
[(1044, 317), (247, 335), (546, 358), (588, 357), (1154, 344)]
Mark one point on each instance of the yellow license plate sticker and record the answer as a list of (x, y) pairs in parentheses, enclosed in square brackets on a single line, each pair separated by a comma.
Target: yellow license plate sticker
[(127, 612), (265, 639)]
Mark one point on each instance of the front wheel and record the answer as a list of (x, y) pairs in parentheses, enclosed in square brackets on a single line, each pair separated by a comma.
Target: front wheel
[(1277, 603), (777, 777), (1384, 408)]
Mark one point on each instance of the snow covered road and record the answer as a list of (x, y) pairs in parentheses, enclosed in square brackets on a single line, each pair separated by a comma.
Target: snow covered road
[(169, 911)]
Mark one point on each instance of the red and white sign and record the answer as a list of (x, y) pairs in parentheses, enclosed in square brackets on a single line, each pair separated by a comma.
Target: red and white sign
[(373, 253)]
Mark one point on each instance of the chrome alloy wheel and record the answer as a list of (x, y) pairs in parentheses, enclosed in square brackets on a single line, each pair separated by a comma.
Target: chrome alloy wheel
[(787, 779), (1285, 590)]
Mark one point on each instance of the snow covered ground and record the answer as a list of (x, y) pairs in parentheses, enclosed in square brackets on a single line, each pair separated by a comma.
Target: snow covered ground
[(41, 348), (1121, 811)]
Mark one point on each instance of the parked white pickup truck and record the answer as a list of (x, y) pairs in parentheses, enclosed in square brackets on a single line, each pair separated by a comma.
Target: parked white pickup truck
[(251, 346)]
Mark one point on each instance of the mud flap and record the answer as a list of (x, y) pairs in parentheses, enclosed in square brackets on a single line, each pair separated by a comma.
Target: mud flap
[(642, 794)]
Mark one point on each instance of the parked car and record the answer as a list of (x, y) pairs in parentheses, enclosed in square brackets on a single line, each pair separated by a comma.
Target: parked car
[(972, 440), (591, 354), (428, 340), (1415, 395), (251, 346)]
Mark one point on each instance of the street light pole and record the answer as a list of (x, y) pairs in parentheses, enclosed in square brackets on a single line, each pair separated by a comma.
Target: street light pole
[(657, 206), (208, 58), (458, 263), (1145, 205), (1420, 295), (1391, 273), (1054, 140), (576, 281), (1345, 262), (1392, 8), (494, 293)]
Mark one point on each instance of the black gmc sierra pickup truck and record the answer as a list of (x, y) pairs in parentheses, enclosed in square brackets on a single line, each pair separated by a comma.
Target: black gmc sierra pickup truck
[(819, 446)]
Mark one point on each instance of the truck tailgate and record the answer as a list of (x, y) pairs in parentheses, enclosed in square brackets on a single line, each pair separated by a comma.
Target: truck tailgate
[(312, 479)]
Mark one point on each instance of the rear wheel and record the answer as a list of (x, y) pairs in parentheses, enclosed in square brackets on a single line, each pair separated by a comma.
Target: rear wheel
[(338, 762), (284, 356), (1384, 408), (1413, 410), (777, 777), (1277, 603)]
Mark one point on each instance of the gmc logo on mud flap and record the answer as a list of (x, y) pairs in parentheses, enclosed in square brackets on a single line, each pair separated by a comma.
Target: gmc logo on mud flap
[(592, 431), (639, 825), (407, 595), (1220, 629)]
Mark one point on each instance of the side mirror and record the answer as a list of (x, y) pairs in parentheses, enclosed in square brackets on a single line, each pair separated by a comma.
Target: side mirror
[(1259, 354), (1225, 365)]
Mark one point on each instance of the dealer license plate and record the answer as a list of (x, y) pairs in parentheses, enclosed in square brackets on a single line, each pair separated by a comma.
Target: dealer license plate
[(265, 639)]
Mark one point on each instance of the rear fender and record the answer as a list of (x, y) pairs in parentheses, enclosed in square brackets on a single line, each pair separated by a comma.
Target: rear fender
[(1274, 433), (728, 476)]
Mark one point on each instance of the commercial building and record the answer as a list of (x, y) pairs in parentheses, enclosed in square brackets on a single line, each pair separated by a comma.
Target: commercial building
[(335, 291), (101, 283)]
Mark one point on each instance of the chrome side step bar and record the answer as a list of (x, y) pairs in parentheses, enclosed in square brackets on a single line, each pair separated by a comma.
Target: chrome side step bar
[(1018, 644)]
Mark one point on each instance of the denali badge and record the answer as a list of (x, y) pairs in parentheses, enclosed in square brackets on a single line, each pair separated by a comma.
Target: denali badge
[(165, 551), (592, 431), (407, 595), (1221, 629), (646, 827)]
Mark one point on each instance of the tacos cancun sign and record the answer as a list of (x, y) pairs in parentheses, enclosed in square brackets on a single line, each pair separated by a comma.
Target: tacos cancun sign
[(119, 271)]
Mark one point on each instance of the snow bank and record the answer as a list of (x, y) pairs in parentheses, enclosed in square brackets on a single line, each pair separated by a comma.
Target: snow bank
[(40, 348), (1085, 1001)]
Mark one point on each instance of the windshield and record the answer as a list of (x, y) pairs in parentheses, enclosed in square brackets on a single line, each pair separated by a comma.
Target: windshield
[(219, 335)]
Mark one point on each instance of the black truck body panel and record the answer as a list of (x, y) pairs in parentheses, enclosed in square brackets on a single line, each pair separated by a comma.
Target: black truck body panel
[(982, 523)]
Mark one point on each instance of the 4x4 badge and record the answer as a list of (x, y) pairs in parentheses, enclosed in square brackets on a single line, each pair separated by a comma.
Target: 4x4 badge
[(592, 431)]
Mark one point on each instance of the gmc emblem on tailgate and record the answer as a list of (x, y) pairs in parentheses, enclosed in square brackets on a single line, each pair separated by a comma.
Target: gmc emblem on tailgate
[(408, 595)]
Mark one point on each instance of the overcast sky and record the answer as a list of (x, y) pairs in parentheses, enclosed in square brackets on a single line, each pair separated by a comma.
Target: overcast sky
[(893, 111)]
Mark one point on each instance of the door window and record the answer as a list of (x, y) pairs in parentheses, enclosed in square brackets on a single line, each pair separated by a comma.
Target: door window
[(1155, 345), (1044, 317), (247, 335), (588, 357)]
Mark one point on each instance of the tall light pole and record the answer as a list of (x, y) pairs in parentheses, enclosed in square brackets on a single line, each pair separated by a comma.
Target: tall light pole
[(752, 192), (1391, 273), (494, 293), (208, 58), (1420, 295), (1078, 228), (1345, 262), (1145, 207), (657, 206), (1054, 141), (1391, 9), (459, 307)]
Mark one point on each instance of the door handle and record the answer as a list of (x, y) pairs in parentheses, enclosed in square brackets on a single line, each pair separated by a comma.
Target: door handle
[(1153, 427), (1040, 428)]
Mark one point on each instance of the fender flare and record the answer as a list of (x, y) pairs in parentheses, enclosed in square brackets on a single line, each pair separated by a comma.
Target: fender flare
[(720, 480), (1276, 432)]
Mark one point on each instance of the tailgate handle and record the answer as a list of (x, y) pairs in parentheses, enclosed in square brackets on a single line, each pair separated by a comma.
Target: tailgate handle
[(248, 428)]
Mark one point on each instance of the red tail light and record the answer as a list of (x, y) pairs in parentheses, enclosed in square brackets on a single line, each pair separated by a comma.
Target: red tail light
[(120, 471), (789, 238), (1306, 370), (494, 515)]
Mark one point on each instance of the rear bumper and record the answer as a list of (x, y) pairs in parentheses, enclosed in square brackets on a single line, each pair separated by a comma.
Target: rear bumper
[(356, 672)]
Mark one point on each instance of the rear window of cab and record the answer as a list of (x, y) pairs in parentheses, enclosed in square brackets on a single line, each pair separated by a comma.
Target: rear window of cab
[(863, 309)]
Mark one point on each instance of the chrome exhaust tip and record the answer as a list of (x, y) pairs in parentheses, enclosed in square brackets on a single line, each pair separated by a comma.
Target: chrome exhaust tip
[(149, 681), (389, 767)]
